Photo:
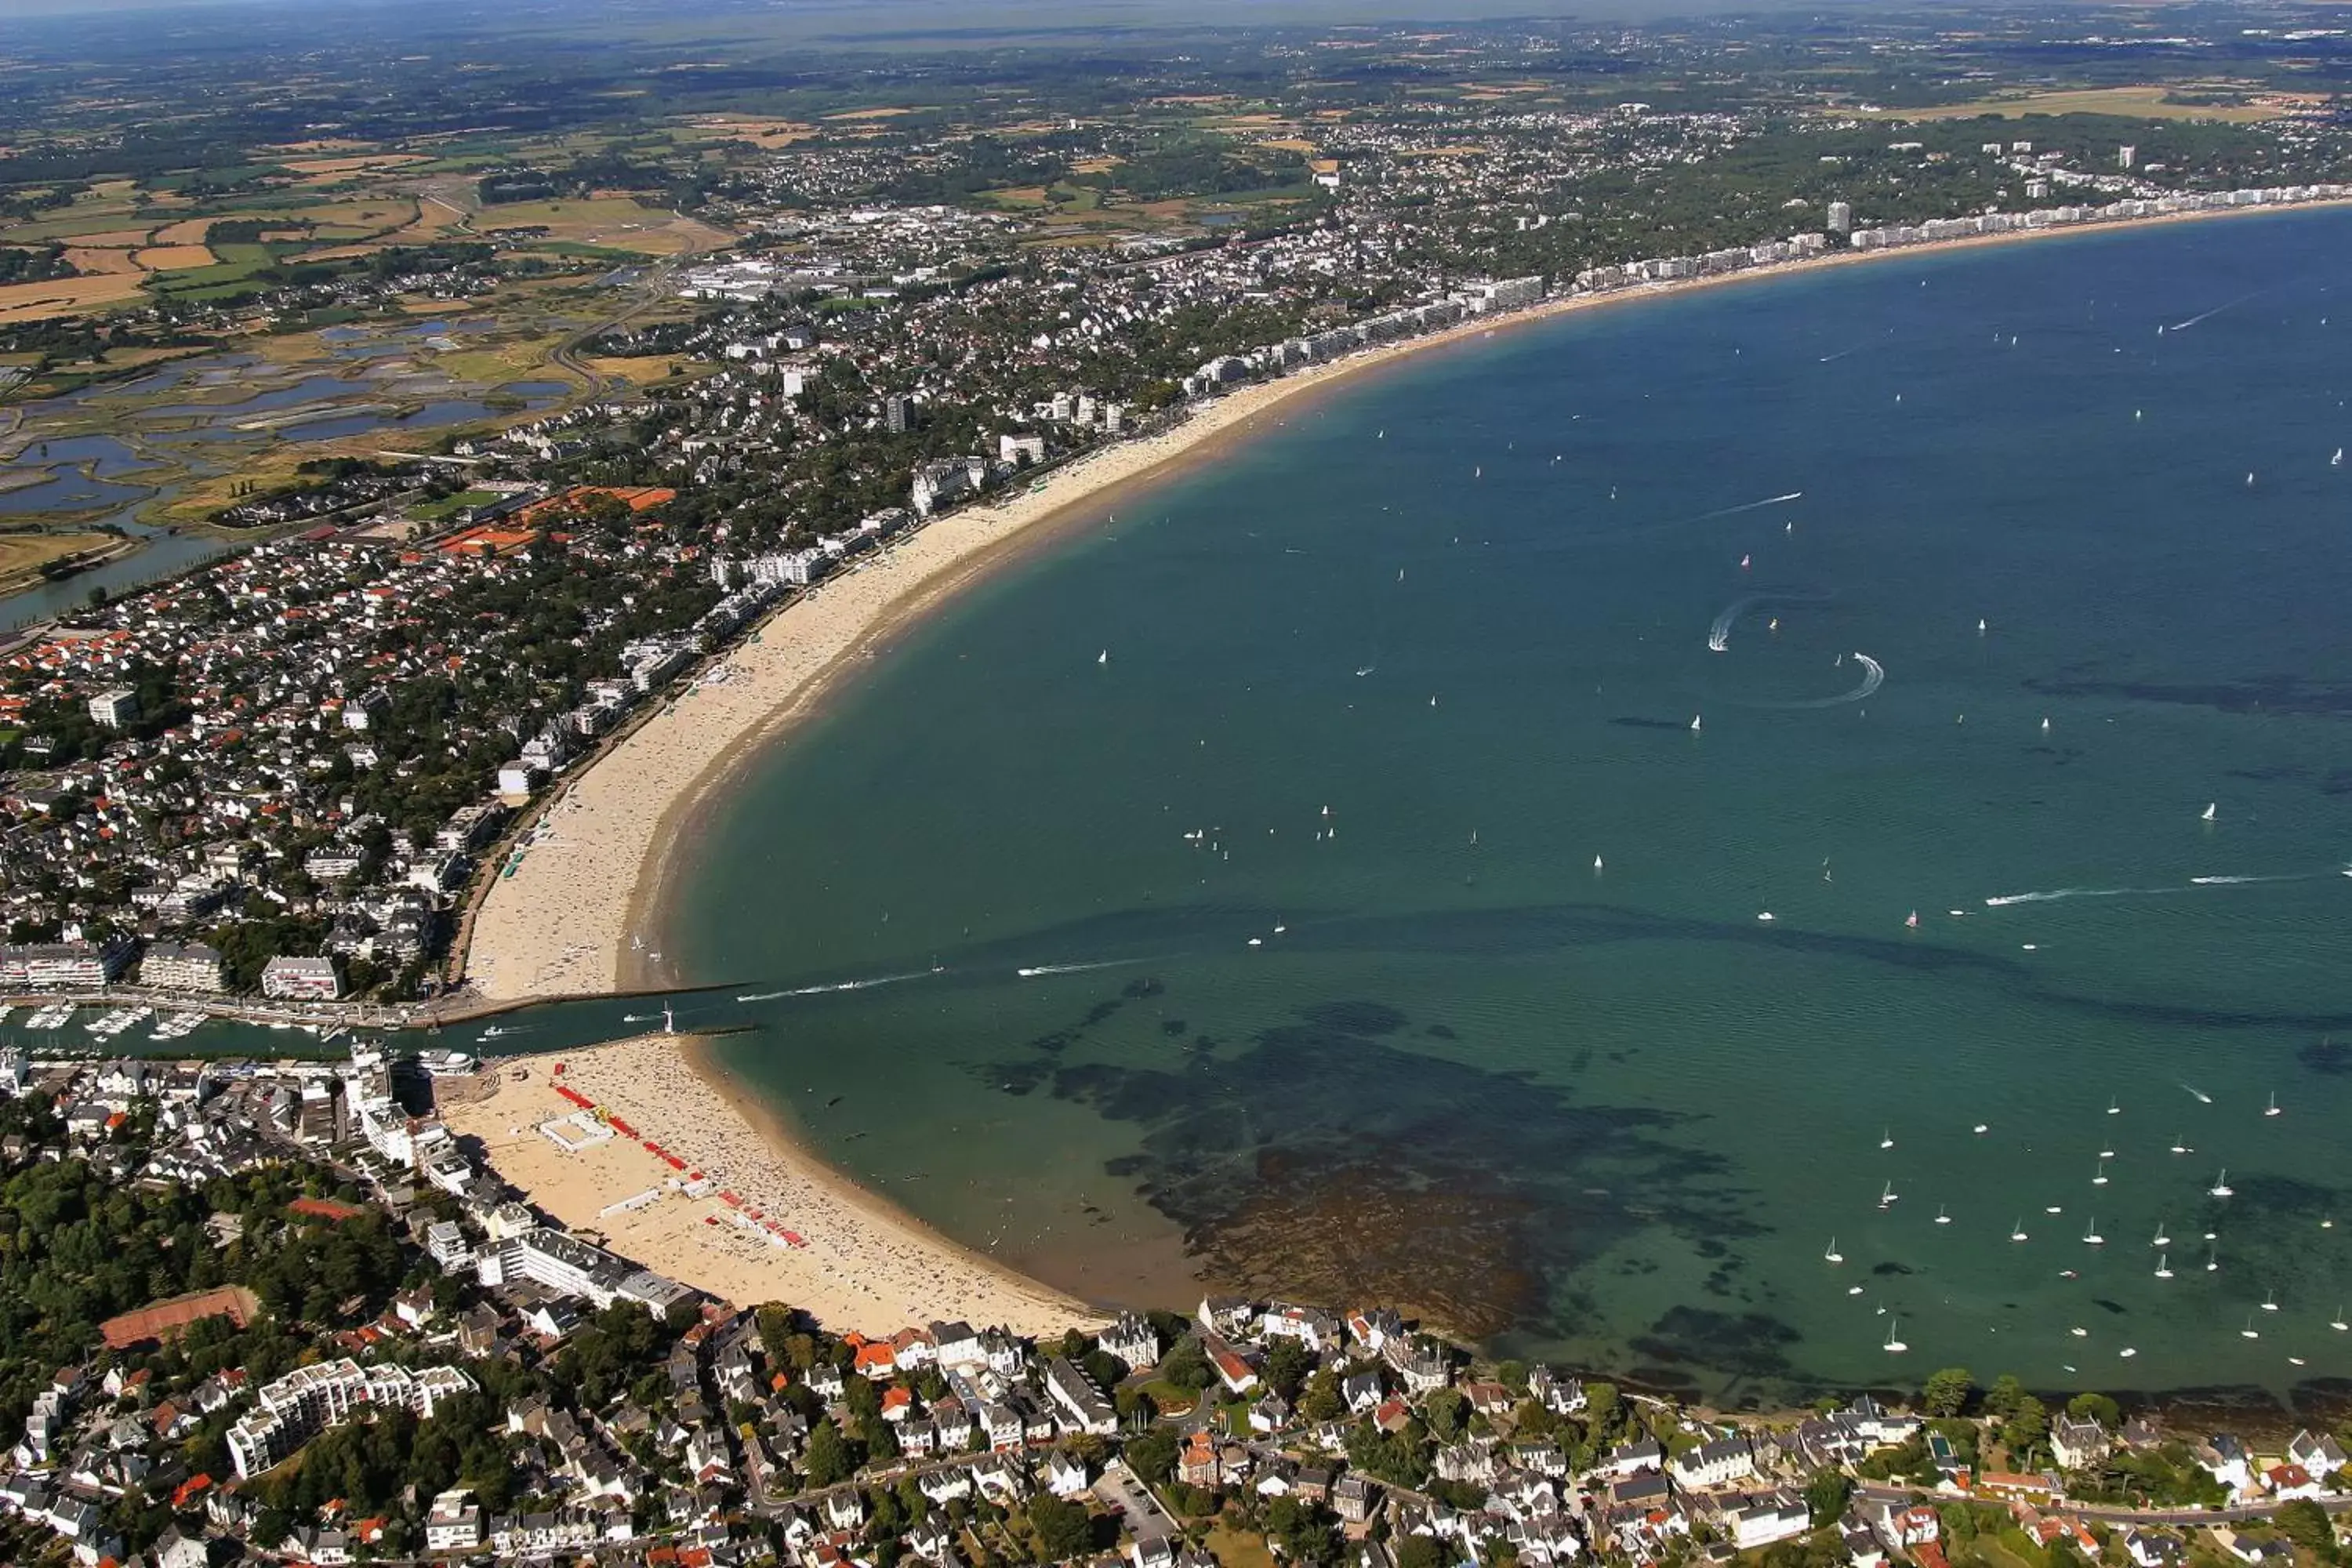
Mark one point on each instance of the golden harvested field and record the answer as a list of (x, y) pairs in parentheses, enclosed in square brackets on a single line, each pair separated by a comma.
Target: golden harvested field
[(85, 259), (876, 113), (637, 372), (24, 552), (175, 257), (2137, 103), (111, 238), (187, 231), (65, 296)]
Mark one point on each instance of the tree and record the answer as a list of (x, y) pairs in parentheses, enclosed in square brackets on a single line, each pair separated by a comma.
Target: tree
[(1287, 1367), (1420, 1551), (829, 1460), (1064, 1529), (1152, 1456), (2026, 1429), (2306, 1524), (1321, 1400), (1826, 1496), (2095, 1407), (1447, 1411), (1948, 1391), (1186, 1366)]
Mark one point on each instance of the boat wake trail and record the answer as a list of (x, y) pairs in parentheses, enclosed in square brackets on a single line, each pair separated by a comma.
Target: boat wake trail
[(1751, 506), (2209, 315), (2055, 894), (1874, 676), (838, 985), (1718, 635), (1036, 969)]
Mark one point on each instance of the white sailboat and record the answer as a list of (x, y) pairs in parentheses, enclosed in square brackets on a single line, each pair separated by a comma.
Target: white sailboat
[(2337, 1322), (1833, 1254), (2209, 812), (1888, 1196), (2269, 1300), (2271, 1108), (2115, 1106), (2100, 1179), (2045, 726), (2163, 1266), (2161, 1238), (2221, 1187), (1980, 626), (1103, 658), (1887, 1138), (1895, 1346), (2178, 1146), (2016, 1228), (2337, 461), (1694, 726), (2212, 1259), (1941, 1217), (2249, 1332), (1596, 863), (2091, 1237)]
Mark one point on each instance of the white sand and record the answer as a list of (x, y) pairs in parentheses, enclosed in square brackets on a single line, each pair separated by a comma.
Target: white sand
[(864, 1266)]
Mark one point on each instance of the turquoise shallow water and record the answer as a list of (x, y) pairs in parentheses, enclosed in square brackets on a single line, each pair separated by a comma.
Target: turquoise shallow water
[(1464, 609)]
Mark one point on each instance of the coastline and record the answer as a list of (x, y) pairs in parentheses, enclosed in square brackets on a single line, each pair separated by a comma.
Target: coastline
[(580, 916), (853, 1261)]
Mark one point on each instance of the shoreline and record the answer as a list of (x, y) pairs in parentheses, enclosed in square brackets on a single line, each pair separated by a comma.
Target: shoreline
[(854, 1260), (584, 913)]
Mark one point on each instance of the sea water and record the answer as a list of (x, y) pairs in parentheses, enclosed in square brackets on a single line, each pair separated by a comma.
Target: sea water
[(1345, 873)]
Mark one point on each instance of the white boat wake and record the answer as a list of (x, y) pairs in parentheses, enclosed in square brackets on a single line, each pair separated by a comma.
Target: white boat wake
[(1035, 971), (1719, 634), (2055, 894), (1753, 505), (2209, 315), (1874, 676), (838, 985)]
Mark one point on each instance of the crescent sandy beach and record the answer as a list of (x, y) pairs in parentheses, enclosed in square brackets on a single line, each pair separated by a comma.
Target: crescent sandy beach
[(679, 1170), (580, 912), (580, 915)]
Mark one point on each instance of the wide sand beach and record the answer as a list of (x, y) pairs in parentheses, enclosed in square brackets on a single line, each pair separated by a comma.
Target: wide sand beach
[(580, 914), (853, 1261)]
